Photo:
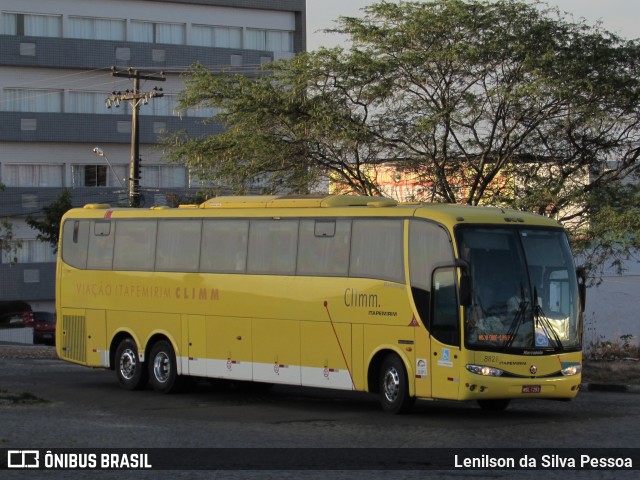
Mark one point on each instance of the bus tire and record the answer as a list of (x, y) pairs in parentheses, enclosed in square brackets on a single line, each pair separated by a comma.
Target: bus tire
[(494, 405), (131, 372), (163, 372), (394, 386)]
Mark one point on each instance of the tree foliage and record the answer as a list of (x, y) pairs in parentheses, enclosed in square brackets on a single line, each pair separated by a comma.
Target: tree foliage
[(503, 103), (49, 225), (9, 245)]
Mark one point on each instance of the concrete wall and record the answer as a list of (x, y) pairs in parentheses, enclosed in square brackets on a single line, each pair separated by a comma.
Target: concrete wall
[(613, 308), (17, 335)]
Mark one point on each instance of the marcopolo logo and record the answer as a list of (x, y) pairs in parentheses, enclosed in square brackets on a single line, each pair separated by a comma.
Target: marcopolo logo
[(23, 459)]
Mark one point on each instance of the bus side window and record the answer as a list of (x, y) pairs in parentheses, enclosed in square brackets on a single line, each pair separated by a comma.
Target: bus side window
[(444, 322), (178, 245), (101, 245), (323, 247), (135, 245), (377, 249), (224, 246), (75, 235), (273, 246)]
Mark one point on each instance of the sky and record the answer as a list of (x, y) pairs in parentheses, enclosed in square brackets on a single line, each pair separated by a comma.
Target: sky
[(618, 16)]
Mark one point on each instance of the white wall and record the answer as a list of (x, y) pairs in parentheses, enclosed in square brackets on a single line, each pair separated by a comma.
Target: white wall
[(88, 80), (74, 153), (613, 308)]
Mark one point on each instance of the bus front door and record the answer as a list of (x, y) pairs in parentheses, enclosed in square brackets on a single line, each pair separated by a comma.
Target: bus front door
[(445, 336)]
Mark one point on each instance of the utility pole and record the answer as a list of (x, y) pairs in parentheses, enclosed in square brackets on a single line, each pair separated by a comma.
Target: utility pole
[(135, 97)]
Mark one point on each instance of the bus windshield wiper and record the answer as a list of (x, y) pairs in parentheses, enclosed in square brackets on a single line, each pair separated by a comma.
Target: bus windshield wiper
[(517, 320), (542, 320)]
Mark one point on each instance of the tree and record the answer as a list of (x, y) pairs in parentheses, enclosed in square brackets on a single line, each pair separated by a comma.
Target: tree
[(9, 245), (284, 128), (502, 103), (49, 226)]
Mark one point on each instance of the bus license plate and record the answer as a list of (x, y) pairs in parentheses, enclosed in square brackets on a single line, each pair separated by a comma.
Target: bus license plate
[(531, 388)]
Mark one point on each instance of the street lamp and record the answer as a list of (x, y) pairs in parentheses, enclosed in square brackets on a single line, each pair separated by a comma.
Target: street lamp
[(98, 151)]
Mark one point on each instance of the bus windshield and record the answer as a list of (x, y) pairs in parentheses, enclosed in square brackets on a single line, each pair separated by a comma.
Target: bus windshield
[(525, 291)]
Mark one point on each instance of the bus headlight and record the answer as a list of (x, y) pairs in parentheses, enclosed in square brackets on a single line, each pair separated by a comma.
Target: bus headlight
[(484, 370), (571, 370)]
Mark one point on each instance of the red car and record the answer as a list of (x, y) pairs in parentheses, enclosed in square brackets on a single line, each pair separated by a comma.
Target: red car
[(44, 327)]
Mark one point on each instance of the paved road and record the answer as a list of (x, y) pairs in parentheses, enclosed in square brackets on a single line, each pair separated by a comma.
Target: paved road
[(86, 408)]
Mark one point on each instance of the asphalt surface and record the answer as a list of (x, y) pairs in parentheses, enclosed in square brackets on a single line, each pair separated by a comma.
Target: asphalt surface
[(84, 407)]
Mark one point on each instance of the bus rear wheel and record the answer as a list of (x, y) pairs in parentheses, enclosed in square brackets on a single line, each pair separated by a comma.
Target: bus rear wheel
[(494, 405), (393, 386), (131, 372), (163, 372)]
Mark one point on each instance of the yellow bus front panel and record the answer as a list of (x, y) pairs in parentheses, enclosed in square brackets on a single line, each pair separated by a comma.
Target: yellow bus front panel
[(521, 376)]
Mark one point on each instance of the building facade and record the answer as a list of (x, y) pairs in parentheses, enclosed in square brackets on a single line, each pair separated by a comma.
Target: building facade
[(56, 61)]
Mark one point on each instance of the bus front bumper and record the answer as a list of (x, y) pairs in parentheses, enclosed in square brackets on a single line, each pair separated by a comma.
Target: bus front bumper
[(479, 387)]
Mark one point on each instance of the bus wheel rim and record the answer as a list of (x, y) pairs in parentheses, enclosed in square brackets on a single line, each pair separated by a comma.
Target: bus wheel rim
[(128, 364), (161, 367), (391, 384)]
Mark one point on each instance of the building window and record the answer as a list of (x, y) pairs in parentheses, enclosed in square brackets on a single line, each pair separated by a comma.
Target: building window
[(28, 124), (32, 25), (27, 49), (162, 106), (123, 54), (33, 175), (97, 28), (203, 112), (32, 251), (221, 37), (123, 127), (236, 60), (150, 32), (98, 175), (163, 176), (269, 40), (93, 102), (32, 100)]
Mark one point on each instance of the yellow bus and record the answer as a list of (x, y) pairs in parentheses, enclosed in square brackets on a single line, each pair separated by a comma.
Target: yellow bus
[(345, 292)]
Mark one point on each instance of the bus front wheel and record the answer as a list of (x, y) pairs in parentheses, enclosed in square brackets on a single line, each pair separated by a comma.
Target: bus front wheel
[(394, 386), (162, 368), (131, 372)]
